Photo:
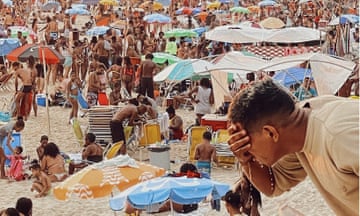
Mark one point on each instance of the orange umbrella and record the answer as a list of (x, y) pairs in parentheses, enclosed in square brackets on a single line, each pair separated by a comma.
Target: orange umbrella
[(99, 180), (202, 16), (47, 53)]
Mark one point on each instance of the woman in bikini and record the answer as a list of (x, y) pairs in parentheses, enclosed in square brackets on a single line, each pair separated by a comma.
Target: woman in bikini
[(115, 71), (72, 95), (53, 163)]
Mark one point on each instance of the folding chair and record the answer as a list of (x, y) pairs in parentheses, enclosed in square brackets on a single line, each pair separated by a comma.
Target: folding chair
[(195, 138), (113, 150), (151, 135), (222, 137)]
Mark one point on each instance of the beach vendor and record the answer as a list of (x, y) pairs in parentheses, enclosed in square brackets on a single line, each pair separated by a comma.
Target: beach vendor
[(279, 142), (175, 125), (6, 131), (205, 153), (92, 153), (129, 113)]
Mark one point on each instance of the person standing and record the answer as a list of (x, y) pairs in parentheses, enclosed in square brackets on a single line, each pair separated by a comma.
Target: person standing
[(72, 95), (147, 72), (325, 146), (128, 74), (21, 96)]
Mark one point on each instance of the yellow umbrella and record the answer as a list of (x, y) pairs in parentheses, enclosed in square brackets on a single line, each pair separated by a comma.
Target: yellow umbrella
[(253, 9), (99, 180), (118, 24), (272, 23), (156, 6), (213, 5), (108, 2)]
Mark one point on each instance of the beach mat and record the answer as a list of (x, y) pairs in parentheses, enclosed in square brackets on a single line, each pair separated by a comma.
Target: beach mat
[(14, 143), (78, 132), (82, 102)]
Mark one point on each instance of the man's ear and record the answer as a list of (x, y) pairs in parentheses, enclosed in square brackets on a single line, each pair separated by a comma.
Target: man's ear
[(271, 132)]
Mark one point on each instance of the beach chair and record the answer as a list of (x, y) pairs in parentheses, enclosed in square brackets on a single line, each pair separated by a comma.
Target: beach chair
[(195, 138), (5, 83), (113, 150), (151, 135), (222, 136)]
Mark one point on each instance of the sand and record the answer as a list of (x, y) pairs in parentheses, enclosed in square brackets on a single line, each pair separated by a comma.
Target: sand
[(304, 197)]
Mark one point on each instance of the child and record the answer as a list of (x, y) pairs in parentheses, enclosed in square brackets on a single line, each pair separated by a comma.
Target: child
[(16, 165), (42, 184), (204, 153)]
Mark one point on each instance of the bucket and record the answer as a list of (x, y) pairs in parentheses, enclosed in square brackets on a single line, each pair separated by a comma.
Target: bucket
[(160, 156), (41, 100)]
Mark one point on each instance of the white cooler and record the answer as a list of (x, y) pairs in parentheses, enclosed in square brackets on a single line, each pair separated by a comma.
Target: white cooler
[(160, 156)]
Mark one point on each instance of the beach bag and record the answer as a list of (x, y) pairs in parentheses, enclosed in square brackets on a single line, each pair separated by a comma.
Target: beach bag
[(107, 45)]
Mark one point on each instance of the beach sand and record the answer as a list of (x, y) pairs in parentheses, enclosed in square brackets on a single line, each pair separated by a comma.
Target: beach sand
[(304, 197)]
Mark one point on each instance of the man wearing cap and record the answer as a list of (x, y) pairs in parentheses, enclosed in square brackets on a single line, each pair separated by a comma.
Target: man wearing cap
[(43, 142)]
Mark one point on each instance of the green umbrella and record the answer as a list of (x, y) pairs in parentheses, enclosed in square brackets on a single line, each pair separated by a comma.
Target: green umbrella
[(161, 58), (240, 10), (180, 33)]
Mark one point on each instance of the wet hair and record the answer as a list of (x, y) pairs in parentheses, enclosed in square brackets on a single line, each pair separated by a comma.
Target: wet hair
[(207, 135), (20, 123), (149, 56), (263, 103), (91, 137), (51, 149), (24, 206), (188, 167), (11, 212), (205, 82), (118, 60), (233, 199), (170, 110), (20, 149)]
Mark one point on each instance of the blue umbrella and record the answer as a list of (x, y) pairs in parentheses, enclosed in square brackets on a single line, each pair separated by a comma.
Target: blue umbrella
[(196, 10), (157, 18), (7, 45), (349, 18), (266, 3), (82, 6), (78, 11), (100, 30), (291, 76), (8, 2), (153, 193), (182, 70), (165, 3), (51, 5), (225, 1), (90, 2)]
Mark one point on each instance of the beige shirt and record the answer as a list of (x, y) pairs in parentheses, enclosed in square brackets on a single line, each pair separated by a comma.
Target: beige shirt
[(330, 156)]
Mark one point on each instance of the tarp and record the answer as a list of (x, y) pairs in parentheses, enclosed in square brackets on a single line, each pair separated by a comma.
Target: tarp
[(220, 87)]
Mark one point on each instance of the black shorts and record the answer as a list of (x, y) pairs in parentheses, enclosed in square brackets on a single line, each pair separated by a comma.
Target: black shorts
[(27, 89)]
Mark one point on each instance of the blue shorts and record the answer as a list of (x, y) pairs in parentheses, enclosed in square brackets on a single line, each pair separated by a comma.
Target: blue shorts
[(204, 166)]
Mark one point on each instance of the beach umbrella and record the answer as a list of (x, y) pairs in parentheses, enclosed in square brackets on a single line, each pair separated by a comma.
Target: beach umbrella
[(253, 9), (225, 1), (100, 30), (345, 18), (240, 10), (266, 3), (177, 33), (154, 193), (108, 2), (291, 76), (45, 54), (161, 58), (156, 6), (213, 5), (89, 2), (7, 45), (182, 70), (196, 10), (236, 34), (200, 30), (249, 24), (8, 3), (202, 15), (119, 24), (51, 5), (100, 179), (184, 10), (23, 29), (77, 11), (272, 23), (156, 18), (83, 6)]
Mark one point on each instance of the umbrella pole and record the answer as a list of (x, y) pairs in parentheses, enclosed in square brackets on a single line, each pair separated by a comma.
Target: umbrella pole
[(171, 208), (46, 90)]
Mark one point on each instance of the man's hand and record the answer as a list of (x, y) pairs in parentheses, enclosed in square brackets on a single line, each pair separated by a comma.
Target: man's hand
[(239, 144)]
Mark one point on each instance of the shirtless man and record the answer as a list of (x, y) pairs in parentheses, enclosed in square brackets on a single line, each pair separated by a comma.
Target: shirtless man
[(129, 112), (52, 29), (148, 70), (205, 153), (67, 26), (92, 152), (21, 96), (42, 184), (101, 51), (94, 87)]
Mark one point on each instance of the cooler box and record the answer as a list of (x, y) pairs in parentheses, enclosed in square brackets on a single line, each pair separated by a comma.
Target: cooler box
[(214, 121), (41, 100), (14, 143), (159, 156)]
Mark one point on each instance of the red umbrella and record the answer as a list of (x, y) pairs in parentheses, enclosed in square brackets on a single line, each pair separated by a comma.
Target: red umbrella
[(51, 56)]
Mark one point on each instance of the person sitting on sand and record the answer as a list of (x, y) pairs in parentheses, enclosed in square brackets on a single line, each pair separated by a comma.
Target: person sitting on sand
[(130, 112), (24, 206), (40, 150), (92, 152), (205, 153), (53, 163), (6, 131), (9, 212), (42, 184), (16, 164), (175, 124)]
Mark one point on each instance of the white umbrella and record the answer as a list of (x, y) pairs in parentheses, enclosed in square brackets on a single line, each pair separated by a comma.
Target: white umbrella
[(294, 35), (236, 34)]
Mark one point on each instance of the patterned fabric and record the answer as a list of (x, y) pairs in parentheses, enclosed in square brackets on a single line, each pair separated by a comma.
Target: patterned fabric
[(277, 51)]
